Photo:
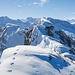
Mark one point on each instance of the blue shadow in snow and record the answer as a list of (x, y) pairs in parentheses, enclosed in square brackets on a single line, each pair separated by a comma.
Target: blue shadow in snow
[(56, 61)]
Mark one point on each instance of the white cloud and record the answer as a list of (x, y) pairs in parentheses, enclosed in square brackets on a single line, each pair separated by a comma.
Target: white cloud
[(41, 3), (19, 5), (29, 4), (35, 3), (44, 1)]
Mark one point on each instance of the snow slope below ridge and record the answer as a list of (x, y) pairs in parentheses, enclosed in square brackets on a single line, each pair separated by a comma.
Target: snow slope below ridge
[(13, 35), (32, 60), (55, 47)]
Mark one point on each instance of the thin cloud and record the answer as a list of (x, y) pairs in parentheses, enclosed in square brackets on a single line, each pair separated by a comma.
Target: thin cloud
[(35, 3), (41, 3), (73, 13), (29, 4), (19, 5)]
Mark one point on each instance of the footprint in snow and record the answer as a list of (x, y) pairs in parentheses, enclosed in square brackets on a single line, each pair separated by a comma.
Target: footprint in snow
[(9, 71), (13, 58), (15, 53), (12, 63), (17, 49), (71, 71), (26, 55)]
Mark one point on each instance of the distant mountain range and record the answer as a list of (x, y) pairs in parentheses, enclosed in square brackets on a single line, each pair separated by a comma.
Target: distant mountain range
[(5, 20), (72, 21)]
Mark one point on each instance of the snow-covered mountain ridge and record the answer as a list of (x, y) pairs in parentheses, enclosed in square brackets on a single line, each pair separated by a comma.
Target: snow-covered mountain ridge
[(72, 21), (45, 36), (5, 20)]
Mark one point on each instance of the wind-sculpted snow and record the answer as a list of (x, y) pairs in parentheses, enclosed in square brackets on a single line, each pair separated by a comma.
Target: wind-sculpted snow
[(32, 60)]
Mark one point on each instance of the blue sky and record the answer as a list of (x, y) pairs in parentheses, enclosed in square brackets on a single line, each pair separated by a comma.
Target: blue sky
[(61, 9)]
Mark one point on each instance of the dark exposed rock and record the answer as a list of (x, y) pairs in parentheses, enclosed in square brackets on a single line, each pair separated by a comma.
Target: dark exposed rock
[(28, 35), (50, 33), (72, 51), (64, 38), (48, 29), (26, 42), (50, 57)]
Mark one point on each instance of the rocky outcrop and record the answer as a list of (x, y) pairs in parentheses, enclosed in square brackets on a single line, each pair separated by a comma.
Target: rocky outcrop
[(62, 37), (72, 51), (48, 30), (28, 35)]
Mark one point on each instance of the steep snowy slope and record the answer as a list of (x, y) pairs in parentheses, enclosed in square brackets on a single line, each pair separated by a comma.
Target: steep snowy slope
[(11, 36), (32, 60), (49, 28), (65, 26)]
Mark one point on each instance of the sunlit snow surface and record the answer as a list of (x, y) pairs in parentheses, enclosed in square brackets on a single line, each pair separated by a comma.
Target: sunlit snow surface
[(32, 60)]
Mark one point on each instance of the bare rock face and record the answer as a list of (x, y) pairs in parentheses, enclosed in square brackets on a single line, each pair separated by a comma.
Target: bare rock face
[(27, 37), (26, 42), (62, 37), (72, 51), (48, 30), (30, 35)]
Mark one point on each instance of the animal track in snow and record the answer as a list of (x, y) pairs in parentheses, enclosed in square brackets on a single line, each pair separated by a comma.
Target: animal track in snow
[(71, 71), (17, 50), (13, 58), (12, 63), (15, 53), (9, 71)]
